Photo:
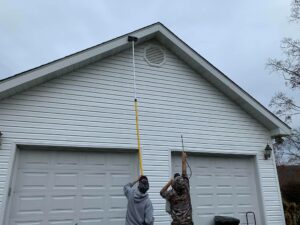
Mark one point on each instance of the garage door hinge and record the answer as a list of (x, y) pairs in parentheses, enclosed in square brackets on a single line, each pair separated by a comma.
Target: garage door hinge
[(9, 191)]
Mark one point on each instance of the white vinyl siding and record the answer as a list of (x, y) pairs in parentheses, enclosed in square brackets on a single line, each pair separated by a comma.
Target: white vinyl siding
[(94, 106)]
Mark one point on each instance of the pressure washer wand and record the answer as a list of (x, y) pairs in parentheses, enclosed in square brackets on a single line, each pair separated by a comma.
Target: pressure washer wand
[(185, 162), (182, 143), (133, 40)]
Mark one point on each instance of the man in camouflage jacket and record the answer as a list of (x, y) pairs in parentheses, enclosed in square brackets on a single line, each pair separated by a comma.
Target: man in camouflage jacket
[(179, 197)]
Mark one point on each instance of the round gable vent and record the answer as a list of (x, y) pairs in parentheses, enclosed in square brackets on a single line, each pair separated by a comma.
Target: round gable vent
[(154, 55)]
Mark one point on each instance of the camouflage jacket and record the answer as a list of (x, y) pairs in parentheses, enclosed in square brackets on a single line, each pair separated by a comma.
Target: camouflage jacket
[(180, 205)]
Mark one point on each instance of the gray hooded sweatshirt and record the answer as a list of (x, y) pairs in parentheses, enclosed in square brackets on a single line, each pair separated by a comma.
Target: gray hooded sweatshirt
[(139, 207)]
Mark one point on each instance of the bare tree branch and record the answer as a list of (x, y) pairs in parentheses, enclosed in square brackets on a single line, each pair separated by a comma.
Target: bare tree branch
[(289, 67), (289, 150), (295, 11), (285, 107)]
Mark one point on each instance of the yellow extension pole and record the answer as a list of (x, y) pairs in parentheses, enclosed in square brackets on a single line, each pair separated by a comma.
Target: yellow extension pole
[(138, 136), (133, 40)]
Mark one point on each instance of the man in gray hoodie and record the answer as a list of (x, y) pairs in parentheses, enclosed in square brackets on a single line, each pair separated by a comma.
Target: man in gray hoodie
[(139, 207)]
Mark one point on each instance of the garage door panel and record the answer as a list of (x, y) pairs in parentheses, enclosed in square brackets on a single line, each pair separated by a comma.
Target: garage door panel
[(60, 192), (242, 198), (242, 171), (118, 180), (222, 190), (117, 191), (203, 210), (224, 180), (220, 186), (92, 202), (38, 161), (243, 190), (90, 221), (93, 179), (93, 191), (119, 163), (98, 212), (117, 214), (220, 165), (242, 164), (116, 204), (28, 218), (30, 222), (202, 189), (224, 199), (116, 218), (224, 209), (202, 179), (65, 180), (241, 180), (28, 206), (91, 214), (61, 222), (93, 159), (66, 158), (32, 180), (71, 187), (60, 215), (205, 219), (93, 167), (121, 168), (205, 198), (65, 202)]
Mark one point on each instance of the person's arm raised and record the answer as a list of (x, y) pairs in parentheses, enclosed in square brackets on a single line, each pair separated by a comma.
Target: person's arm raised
[(165, 188)]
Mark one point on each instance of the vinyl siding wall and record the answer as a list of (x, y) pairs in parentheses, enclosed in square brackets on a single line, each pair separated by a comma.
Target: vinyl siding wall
[(94, 106)]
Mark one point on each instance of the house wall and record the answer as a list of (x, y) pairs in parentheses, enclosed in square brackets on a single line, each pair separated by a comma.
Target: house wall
[(93, 106)]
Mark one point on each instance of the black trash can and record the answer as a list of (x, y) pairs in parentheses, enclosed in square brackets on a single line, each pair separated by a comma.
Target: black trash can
[(226, 220)]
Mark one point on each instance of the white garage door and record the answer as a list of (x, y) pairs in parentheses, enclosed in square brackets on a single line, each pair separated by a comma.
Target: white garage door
[(221, 186), (70, 187)]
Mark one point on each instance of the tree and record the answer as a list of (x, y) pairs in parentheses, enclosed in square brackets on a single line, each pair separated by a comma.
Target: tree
[(288, 148), (295, 12), (288, 151)]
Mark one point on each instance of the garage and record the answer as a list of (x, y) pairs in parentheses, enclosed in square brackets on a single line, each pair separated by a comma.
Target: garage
[(70, 187), (221, 185), (85, 101)]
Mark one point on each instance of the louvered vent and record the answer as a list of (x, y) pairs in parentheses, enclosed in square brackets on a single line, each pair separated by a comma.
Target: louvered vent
[(154, 55)]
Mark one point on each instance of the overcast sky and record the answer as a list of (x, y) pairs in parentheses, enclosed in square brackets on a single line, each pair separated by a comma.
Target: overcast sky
[(236, 36)]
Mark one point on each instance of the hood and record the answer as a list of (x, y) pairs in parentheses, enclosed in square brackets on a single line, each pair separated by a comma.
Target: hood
[(138, 196), (178, 185)]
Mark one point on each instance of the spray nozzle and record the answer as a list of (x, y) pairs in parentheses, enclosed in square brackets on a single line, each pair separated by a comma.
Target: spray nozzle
[(132, 39)]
